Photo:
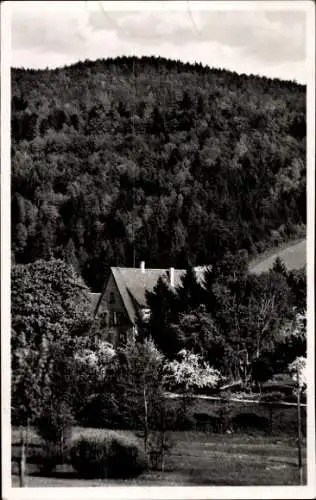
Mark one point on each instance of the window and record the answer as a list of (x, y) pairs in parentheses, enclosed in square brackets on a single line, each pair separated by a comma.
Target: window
[(119, 318), (145, 314), (113, 319), (104, 318), (112, 298)]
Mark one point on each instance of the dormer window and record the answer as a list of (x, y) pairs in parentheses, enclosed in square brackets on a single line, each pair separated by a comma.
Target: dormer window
[(145, 314)]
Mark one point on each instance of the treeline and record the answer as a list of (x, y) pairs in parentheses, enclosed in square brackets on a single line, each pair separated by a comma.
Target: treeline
[(128, 159)]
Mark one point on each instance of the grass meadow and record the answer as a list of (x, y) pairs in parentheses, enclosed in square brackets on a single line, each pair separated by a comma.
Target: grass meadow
[(292, 253), (196, 458)]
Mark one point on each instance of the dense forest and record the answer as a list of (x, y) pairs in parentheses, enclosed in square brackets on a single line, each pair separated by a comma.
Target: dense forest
[(128, 159)]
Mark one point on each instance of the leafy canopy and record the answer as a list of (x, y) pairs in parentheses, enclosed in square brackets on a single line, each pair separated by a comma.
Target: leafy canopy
[(50, 309)]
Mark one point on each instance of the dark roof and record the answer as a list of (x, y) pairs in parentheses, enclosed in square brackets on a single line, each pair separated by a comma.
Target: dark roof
[(132, 284), (137, 282)]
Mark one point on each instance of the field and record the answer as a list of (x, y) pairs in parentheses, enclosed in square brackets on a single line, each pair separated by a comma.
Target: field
[(293, 255), (197, 458)]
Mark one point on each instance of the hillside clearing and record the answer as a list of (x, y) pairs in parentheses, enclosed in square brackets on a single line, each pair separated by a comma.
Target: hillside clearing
[(293, 255)]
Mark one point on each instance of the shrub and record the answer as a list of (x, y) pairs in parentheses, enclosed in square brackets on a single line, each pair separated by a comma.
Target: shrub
[(185, 422), (89, 457), (103, 410), (125, 459), (164, 417), (110, 456), (292, 398), (207, 423), (55, 425), (272, 397), (159, 445), (48, 457), (250, 421), (225, 414)]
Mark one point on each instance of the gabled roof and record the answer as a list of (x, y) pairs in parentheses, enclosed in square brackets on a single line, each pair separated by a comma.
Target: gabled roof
[(132, 284)]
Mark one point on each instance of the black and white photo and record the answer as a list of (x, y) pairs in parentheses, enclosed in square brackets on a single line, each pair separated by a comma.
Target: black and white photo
[(157, 214)]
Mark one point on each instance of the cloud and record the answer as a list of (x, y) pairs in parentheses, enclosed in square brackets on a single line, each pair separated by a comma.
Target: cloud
[(261, 42), (278, 36), (49, 26)]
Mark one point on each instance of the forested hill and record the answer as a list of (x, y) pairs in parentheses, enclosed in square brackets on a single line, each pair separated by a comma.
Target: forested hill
[(190, 161)]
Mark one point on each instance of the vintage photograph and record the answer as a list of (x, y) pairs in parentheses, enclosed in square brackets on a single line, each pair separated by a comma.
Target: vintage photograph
[(158, 328)]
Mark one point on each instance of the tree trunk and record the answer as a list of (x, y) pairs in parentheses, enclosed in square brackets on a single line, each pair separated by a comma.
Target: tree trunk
[(27, 437), (162, 449), (22, 460), (299, 431), (62, 447), (271, 418), (146, 420), (258, 348)]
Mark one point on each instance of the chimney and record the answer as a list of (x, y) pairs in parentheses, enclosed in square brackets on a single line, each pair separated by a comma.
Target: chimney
[(171, 276), (142, 266)]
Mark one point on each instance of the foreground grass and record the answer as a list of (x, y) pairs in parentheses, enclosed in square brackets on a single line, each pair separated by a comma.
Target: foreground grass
[(196, 459)]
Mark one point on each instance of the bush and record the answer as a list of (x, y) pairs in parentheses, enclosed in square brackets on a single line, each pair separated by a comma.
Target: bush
[(112, 456), (207, 423), (292, 398), (125, 459), (185, 422), (225, 413), (103, 410), (55, 425), (165, 417), (48, 457), (272, 397), (89, 457), (159, 445), (250, 421)]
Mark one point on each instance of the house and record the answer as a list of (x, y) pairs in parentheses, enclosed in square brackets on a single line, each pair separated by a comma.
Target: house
[(123, 299)]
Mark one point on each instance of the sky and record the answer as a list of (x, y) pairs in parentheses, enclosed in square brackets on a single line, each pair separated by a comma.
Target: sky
[(270, 42)]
